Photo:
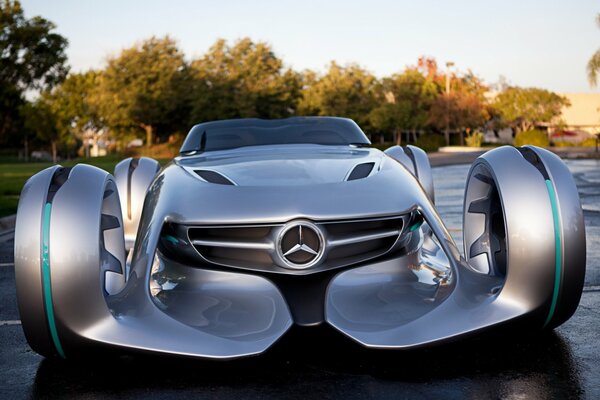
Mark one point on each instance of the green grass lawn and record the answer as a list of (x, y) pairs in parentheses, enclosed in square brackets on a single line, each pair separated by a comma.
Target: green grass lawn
[(13, 176)]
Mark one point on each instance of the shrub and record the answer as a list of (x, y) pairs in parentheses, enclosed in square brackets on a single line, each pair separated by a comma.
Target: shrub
[(474, 139), (532, 137), (430, 142), (589, 142), (563, 143), (382, 146)]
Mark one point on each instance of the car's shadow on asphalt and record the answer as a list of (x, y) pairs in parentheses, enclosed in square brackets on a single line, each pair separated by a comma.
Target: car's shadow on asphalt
[(318, 362)]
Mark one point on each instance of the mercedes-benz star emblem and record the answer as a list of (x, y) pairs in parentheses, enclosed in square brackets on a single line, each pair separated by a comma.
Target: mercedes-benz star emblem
[(300, 244)]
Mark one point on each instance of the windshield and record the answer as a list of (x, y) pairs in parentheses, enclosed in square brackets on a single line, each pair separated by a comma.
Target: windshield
[(230, 134)]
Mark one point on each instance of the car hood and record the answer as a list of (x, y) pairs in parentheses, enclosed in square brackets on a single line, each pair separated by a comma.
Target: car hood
[(296, 165), (274, 184)]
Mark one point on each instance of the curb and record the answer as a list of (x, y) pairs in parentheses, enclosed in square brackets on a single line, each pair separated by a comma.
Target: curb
[(440, 159), (463, 149)]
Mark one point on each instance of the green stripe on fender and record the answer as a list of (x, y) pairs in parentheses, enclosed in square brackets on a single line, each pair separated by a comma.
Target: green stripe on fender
[(558, 251), (47, 287)]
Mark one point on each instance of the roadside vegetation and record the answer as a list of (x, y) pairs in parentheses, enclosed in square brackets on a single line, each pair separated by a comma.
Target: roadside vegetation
[(14, 174), (532, 137), (152, 93)]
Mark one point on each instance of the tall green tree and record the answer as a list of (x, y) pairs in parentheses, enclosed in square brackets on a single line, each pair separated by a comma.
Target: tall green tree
[(73, 102), (404, 102), (144, 89), (593, 65), (524, 108), (344, 91), (74, 108), (42, 121), (32, 57), (245, 79)]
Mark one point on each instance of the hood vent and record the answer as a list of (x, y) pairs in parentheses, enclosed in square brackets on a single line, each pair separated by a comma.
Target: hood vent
[(213, 177), (361, 171)]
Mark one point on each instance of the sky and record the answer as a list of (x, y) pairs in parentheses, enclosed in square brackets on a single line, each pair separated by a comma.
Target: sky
[(542, 44)]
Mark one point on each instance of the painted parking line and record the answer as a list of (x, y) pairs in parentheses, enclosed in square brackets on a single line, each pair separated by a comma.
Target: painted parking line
[(7, 264), (10, 322)]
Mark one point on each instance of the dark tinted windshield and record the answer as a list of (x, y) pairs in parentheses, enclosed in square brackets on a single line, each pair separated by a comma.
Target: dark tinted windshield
[(229, 134)]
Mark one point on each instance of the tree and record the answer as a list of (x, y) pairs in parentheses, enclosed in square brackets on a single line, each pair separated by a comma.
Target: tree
[(461, 111), (464, 107), (593, 65), (469, 83), (344, 91), (74, 107), (243, 80), (40, 119), (404, 103), (11, 101), (73, 101), (466, 82), (32, 57), (524, 108), (144, 88)]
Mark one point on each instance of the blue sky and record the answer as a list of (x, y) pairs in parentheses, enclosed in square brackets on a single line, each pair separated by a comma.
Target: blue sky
[(532, 43)]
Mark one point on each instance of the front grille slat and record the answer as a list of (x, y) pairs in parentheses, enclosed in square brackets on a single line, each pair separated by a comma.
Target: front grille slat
[(234, 245), (344, 241), (254, 247)]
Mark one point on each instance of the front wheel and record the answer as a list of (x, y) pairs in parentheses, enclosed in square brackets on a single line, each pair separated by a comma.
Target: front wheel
[(523, 221), (69, 232)]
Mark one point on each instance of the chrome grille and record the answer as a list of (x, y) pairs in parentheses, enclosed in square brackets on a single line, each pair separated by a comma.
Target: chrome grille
[(253, 247)]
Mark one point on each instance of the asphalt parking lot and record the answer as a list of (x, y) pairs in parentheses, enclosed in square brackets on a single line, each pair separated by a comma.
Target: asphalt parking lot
[(316, 362)]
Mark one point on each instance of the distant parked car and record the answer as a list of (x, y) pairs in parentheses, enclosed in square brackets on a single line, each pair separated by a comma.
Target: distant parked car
[(41, 156), (135, 143), (573, 137)]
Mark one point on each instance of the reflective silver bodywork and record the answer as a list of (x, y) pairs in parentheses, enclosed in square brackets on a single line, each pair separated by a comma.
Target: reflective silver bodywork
[(416, 161), (541, 227), (186, 293), (133, 178)]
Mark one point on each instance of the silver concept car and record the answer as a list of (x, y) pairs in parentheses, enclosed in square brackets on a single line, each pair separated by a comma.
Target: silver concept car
[(261, 224)]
